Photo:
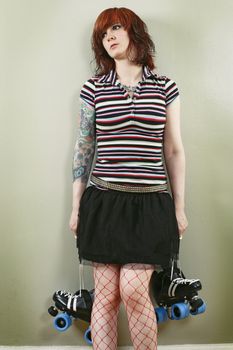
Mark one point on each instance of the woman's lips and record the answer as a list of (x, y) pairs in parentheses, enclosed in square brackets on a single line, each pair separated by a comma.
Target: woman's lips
[(113, 45)]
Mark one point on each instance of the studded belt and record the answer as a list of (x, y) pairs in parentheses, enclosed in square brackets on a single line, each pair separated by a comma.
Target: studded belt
[(126, 188)]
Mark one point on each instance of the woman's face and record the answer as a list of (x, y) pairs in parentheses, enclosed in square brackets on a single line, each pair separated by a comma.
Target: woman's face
[(115, 41)]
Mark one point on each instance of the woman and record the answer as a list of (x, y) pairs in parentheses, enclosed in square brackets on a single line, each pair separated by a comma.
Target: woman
[(126, 222)]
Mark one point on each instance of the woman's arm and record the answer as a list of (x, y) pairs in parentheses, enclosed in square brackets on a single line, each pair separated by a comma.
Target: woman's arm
[(83, 152), (175, 160)]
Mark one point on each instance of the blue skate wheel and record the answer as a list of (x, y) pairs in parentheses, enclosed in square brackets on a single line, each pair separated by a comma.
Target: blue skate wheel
[(87, 336), (62, 322), (161, 314), (199, 310), (179, 311)]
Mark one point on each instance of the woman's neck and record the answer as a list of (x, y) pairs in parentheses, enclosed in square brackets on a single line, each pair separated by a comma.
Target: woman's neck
[(127, 73)]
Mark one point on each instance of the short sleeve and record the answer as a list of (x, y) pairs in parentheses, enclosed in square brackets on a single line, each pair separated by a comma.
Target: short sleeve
[(87, 92), (171, 90)]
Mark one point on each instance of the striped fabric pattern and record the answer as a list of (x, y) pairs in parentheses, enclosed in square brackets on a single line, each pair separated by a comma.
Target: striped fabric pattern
[(129, 131)]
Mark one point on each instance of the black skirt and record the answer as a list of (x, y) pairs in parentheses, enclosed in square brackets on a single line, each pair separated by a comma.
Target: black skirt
[(118, 227)]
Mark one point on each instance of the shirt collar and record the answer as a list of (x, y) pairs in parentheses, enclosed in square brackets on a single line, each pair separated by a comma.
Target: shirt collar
[(111, 77)]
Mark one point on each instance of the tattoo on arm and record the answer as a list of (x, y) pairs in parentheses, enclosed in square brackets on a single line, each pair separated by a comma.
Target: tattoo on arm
[(85, 144)]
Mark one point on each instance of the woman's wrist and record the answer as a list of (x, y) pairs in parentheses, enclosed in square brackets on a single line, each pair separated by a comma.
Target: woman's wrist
[(179, 207), (75, 209), (179, 203)]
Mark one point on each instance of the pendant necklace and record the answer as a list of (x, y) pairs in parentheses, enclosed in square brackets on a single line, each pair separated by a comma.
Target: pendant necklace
[(129, 88)]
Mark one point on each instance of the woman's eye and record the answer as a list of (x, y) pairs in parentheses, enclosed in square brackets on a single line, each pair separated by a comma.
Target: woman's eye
[(116, 26)]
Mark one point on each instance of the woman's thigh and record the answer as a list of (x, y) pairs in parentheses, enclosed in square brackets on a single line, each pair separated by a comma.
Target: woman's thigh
[(106, 279), (134, 280)]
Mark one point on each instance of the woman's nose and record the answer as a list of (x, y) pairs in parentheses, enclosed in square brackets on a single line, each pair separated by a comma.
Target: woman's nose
[(110, 36)]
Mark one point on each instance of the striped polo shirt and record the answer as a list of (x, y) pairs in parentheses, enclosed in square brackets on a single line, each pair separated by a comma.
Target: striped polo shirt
[(130, 131)]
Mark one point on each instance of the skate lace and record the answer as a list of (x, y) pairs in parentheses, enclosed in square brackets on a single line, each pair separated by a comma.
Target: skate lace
[(185, 280), (63, 293), (71, 299), (72, 302)]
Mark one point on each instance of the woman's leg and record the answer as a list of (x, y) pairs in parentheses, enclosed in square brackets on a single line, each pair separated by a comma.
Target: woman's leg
[(105, 307), (134, 289)]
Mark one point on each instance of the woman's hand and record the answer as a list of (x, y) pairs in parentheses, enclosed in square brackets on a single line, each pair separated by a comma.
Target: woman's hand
[(182, 221), (74, 221)]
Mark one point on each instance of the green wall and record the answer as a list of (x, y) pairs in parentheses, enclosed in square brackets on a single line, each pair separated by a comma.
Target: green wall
[(45, 56)]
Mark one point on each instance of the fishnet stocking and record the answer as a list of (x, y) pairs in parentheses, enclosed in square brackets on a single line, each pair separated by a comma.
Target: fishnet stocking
[(105, 308), (134, 289), (130, 283)]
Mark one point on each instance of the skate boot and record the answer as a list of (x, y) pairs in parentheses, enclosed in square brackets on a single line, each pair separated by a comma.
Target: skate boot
[(77, 305), (176, 296)]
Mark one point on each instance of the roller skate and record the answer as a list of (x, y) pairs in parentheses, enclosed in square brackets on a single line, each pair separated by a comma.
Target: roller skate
[(77, 305), (70, 306), (175, 295)]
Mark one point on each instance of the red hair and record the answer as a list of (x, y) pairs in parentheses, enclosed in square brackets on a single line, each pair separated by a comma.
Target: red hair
[(139, 37)]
